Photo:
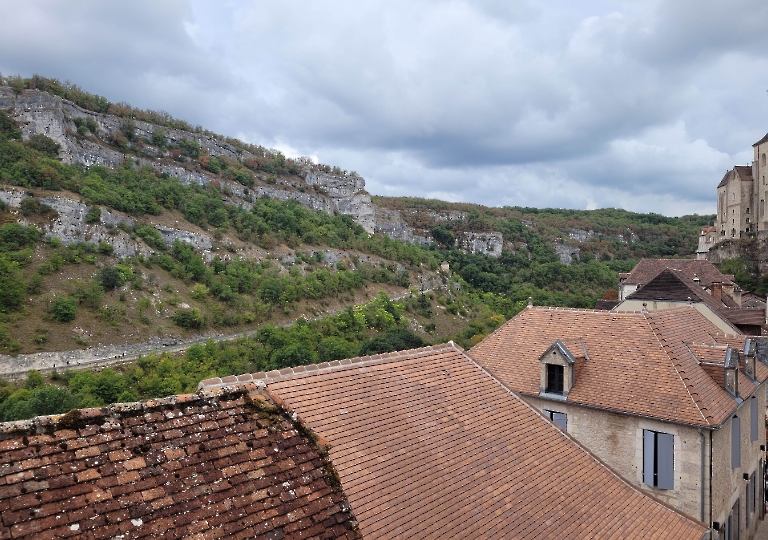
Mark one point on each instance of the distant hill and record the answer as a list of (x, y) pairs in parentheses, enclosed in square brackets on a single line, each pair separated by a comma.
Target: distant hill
[(137, 225)]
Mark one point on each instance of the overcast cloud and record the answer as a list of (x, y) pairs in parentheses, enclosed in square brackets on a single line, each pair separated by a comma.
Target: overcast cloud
[(640, 105)]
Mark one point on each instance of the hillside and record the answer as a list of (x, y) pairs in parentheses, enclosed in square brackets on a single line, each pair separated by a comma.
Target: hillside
[(121, 226)]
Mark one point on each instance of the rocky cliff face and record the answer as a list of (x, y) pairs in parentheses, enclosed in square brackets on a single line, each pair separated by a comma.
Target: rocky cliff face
[(489, 244), (43, 113)]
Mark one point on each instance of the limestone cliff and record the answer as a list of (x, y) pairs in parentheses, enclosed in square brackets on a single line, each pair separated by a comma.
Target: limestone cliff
[(42, 113)]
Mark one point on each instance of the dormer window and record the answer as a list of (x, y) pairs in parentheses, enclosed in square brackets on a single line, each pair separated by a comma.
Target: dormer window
[(731, 379), (749, 359), (555, 379), (557, 370)]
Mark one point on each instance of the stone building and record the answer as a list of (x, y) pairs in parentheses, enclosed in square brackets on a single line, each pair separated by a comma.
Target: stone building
[(664, 398), (735, 204), (702, 272), (741, 197), (707, 239)]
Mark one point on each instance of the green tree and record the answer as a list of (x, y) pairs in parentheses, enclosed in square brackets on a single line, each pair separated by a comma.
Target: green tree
[(34, 380), (44, 144), (295, 354), (110, 278), (334, 348), (396, 339), (12, 286), (51, 400), (64, 309)]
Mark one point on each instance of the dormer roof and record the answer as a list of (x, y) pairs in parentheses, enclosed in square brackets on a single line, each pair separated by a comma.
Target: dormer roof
[(560, 347)]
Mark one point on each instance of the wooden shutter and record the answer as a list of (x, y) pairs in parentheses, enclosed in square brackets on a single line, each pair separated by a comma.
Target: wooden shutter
[(559, 419), (649, 446), (753, 423), (665, 461), (735, 442)]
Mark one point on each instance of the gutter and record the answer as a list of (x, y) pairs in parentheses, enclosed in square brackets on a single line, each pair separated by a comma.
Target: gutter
[(701, 434), (710, 479)]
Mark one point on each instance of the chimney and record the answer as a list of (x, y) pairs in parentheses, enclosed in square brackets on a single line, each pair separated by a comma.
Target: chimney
[(696, 279), (717, 291), (737, 295)]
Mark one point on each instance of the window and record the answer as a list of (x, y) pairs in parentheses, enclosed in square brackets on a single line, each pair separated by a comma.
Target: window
[(554, 379), (733, 523), (557, 418), (658, 459), (753, 419), (735, 442), (750, 500)]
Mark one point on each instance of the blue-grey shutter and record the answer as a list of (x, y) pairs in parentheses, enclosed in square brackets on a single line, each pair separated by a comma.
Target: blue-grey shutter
[(649, 443), (559, 419), (665, 464), (747, 502), (753, 419), (735, 442)]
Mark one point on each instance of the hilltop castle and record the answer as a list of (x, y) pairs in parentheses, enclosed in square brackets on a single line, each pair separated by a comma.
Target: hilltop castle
[(741, 196)]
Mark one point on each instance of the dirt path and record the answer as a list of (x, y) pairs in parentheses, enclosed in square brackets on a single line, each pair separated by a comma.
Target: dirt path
[(18, 366)]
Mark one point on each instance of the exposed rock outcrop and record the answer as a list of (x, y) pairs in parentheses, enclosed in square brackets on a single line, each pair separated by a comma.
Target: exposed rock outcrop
[(43, 113), (490, 243)]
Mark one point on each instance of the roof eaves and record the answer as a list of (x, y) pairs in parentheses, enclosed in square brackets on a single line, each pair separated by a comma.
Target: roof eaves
[(761, 141)]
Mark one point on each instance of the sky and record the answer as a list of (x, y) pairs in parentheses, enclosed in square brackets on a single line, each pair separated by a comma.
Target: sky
[(642, 105)]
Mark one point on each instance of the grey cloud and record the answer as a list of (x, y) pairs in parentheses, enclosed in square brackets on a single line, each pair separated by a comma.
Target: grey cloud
[(571, 104)]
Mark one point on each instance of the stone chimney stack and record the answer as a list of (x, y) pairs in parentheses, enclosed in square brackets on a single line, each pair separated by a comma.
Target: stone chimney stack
[(717, 291), (737, 295)]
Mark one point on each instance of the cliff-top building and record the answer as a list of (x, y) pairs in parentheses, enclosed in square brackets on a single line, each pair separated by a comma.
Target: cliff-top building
[(741, 197)]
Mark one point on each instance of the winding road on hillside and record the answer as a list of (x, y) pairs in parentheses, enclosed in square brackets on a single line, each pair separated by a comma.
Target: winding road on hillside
[(20, 365)]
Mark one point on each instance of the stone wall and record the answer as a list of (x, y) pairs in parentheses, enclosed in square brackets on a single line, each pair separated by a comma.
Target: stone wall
[(617, 439), (728, 484)]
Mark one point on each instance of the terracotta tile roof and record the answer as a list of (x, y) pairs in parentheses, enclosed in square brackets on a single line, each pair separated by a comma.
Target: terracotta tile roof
[(428, 445), (647, 269), (671, 284), (202, 466), (761, 141), (638, 361), (674, 285)]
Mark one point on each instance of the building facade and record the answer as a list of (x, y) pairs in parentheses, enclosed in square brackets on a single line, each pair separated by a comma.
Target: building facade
[(741, 196), (667, 400)]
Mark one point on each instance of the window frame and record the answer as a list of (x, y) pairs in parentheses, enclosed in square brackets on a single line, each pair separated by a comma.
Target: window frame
[(555, 417), (558, 372)]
